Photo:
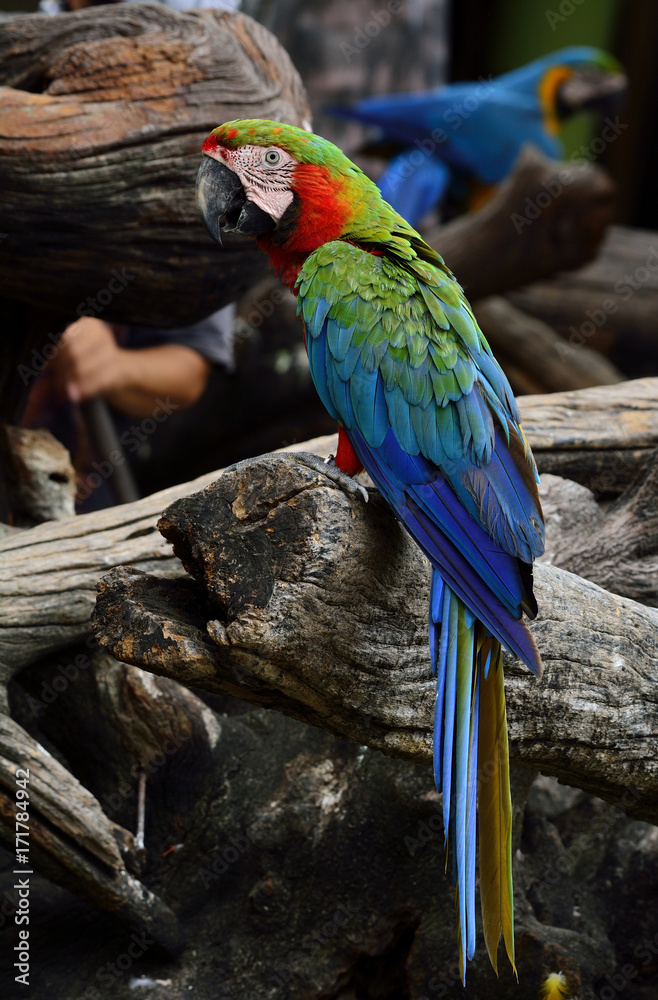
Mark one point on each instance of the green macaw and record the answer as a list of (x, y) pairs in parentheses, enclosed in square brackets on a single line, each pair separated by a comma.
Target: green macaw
[(399, 361)]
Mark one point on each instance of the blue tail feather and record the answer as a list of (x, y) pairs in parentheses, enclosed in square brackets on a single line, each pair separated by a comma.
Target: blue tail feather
[(456, 744), (471, 807)]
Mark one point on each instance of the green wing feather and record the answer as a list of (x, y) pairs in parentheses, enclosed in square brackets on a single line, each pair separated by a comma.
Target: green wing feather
[(407, 323)]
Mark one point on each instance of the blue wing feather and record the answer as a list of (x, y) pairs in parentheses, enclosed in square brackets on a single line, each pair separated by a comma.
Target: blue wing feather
[(431, 417), (413, 188)]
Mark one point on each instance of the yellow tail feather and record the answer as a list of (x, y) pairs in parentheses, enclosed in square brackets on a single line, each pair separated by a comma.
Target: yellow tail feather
[(494, 807), (554, 987)]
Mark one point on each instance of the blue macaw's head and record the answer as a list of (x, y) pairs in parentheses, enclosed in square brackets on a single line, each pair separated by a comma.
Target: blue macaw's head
[(529, 104), (569, 80)]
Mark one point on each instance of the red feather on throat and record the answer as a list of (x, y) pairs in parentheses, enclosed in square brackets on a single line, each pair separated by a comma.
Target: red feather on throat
[(321, 219)]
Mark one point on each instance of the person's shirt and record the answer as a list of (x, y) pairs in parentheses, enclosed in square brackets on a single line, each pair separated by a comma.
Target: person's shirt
[(211, 337)]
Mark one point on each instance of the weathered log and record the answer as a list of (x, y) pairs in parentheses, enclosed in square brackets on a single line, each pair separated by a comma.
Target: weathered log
[(101, 119), (136, 715), (538, 351), (318, 607), (547, 216), (610, 304), (62, 813), (601, 437), (616, 548), (188, 639)]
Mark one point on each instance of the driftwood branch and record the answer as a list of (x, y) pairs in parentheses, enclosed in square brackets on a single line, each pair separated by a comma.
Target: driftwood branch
[(609, 304), (316, 604), (538, 354), (547, 216)]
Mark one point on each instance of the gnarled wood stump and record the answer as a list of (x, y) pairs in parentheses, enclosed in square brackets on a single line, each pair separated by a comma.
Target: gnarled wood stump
[(101, 121), (316, 604)]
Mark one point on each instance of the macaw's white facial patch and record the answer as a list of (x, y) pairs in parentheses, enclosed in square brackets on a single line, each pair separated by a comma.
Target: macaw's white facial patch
[(266, 175)]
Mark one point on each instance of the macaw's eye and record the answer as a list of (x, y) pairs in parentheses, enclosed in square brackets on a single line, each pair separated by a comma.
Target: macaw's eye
[(272, 157)]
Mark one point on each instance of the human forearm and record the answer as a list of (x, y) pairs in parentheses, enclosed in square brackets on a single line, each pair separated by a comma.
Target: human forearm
[(154, 373)]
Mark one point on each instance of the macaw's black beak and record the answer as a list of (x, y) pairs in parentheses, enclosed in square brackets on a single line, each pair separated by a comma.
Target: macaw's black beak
[(223, 204), (592, 89)]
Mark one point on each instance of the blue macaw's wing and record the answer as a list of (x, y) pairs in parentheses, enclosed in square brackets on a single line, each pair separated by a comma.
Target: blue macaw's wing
[(476, 127), (414, 183), (398, 359)]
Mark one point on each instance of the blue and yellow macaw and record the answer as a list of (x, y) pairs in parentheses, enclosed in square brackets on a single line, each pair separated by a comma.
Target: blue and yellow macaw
[(399, 361), (473, 131)]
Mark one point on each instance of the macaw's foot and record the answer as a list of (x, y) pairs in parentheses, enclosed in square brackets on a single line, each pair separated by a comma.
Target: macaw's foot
[(327, 467)]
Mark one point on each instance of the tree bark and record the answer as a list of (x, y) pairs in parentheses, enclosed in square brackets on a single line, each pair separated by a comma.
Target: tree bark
[(616, 548), (103, 117), (289, 622), (601, 437)]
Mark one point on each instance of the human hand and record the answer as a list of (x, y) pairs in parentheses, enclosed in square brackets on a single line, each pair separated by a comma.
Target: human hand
[(89, 362)]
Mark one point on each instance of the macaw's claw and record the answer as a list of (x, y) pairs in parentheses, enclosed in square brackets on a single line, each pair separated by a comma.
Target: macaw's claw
[(327, 467)]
